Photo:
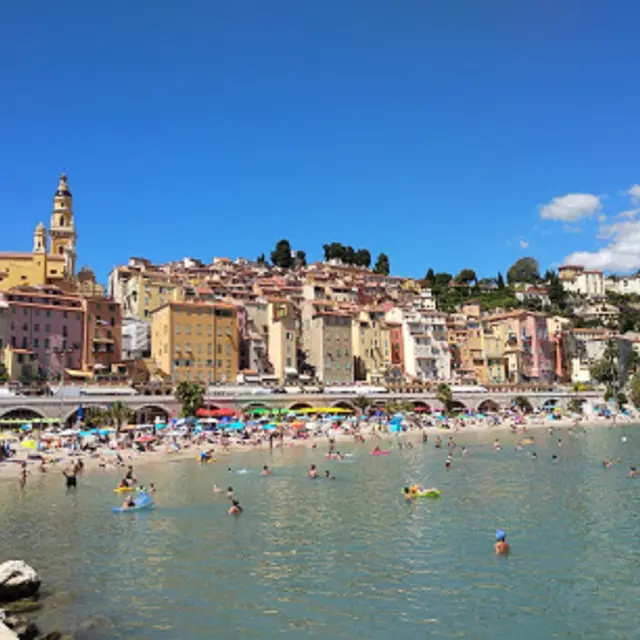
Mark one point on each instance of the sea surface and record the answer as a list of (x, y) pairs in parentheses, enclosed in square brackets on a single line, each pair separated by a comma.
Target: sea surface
[(347, 558)]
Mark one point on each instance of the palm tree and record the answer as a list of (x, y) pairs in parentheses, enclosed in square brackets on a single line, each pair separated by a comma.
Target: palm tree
[(523, 403), (191, 396), (119, 414), (95, 416), (445, 396), (363, 403)]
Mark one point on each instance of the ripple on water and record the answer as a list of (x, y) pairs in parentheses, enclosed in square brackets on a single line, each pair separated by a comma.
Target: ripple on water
[(349, 559)]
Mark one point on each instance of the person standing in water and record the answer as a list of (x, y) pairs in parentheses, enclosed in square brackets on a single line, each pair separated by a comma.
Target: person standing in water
[(501, 546), (22, 481), (235, 509)]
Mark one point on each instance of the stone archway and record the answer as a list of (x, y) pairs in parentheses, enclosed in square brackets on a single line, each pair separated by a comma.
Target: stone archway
[(28, 414), (344, 404), (296, 406), (148, 413), (420, 406), (488, 406), (550, 404), (457, 406)]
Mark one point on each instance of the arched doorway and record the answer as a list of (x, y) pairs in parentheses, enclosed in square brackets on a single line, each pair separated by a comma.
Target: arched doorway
[(151, 413), (488, 406), (549, 405), (297, 406), (21, 415), (421, 407), (456, 406)]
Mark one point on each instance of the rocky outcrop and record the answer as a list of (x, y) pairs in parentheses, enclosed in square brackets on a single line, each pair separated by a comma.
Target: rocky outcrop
[(18, 580)]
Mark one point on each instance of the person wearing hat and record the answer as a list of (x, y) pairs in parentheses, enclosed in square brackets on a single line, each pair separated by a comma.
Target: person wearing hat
[(502, 546)]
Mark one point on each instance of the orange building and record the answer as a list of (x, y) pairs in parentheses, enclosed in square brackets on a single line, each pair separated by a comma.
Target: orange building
[(102, 346)]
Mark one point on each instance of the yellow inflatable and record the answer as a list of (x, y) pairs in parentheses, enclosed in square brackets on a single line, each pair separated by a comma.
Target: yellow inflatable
[(123, 489), (417, 492)]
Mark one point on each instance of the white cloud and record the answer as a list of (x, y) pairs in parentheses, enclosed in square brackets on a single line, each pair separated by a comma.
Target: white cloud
[(602, 218), (571, 207), (622, 254), (634, 192), (523, 244), (629, 214)]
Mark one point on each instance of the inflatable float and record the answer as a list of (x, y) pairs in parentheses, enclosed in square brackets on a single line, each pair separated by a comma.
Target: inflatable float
[(205, 460), (142, 501), (380, 453), (123, 489), (425, 493)]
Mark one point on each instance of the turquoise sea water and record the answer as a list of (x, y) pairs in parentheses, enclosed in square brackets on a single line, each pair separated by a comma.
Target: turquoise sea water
[(349, 558)]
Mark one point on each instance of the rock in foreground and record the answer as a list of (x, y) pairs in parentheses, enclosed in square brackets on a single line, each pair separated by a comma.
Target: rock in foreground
[(18, 580)]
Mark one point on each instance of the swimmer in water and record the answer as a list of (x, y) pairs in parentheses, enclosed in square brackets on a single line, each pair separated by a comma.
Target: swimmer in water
[(152, 487), (129, 503), (501, 546), (265, 471), (534, 455), (496, 445), (448, 463), (328, 476), (465, 451), (554, 459), (607, 464), (235, 509), (438, 442), (230, 493), (633, 472), (408, 495), (518, 447), (313, 472), (559, 442), (216, 489)]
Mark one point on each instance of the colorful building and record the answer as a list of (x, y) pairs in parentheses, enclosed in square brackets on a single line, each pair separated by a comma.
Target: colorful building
[(51, 261), (48, 323), (196, 341), (371, 342), (102, 345)]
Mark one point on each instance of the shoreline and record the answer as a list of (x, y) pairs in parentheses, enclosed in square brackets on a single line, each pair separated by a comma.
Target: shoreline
[(9, 471)]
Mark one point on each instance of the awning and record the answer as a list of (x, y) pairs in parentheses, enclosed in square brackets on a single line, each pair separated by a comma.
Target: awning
[(76, 373)]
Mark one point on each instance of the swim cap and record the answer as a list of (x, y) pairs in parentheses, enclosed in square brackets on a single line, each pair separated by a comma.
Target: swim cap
[(500, 535)]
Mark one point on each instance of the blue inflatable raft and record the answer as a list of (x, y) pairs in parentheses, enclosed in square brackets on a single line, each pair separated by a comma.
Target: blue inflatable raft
[(141, 501)]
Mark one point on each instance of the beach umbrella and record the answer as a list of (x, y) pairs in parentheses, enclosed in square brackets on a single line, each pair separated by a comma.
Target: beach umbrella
[(269, 427), (235, 426), (29, 444), (146, 438)]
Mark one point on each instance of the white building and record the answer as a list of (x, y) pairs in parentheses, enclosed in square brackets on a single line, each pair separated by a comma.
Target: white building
[(533, 294), (136, 339), (576, 279), (426, 349), (624, 285)]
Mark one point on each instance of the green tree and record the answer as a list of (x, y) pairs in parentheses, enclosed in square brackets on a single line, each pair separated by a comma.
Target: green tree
[(261, 259), (4, 376), (281, 255), (442, 280), (430, 278), (523, 403), (466, 276), (382, 265), (621, 400), (191, 396), (634, 390), (500, 280), (605, 370), (301, 258), (95, 416), (363, 258), (444, 395), (119, 414), (524, 270), (575, 405), (362, 402)]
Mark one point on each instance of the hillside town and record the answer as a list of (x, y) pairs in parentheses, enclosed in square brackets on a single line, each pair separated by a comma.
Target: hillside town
[(277, 321)]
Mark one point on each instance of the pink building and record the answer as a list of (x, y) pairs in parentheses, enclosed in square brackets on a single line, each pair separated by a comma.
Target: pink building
[(49, 324), (529, 353)]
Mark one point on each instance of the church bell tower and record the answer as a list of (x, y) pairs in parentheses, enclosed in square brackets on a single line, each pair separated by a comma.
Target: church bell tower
[(63, 230)]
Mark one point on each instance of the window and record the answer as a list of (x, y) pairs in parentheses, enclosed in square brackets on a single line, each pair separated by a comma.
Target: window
[(36, 327), (219, 348), (219, 331), (228, 331), (77, 315), (199, 329), (13, 341), (209, 348), (227, 349), (36, 343), (36, 312), (48, 313), (113, 321), (69, 362), (109, 334), (47, 328), (24, 342), (228, 364), (64, 331), (289, 362), (64, 344), (46, 343), (64, 314), (25, 327), (199, 348), (25, 312), (220, 364), (187, 329)]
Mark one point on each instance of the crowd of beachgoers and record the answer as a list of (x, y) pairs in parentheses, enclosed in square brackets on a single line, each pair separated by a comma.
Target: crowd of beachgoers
[(34, 450)]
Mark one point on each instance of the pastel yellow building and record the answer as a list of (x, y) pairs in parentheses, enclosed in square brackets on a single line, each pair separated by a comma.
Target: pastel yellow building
[(282, 338), (370, 339), (50, 262), (196, 341)]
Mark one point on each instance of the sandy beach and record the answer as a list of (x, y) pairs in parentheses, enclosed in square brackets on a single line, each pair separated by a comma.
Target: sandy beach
[(103, 459)]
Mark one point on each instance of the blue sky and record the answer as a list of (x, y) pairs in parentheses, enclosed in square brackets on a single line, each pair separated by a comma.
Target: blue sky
[(434, 131)]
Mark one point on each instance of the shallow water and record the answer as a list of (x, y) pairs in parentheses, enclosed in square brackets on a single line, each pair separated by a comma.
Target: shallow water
[(348, 558)]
